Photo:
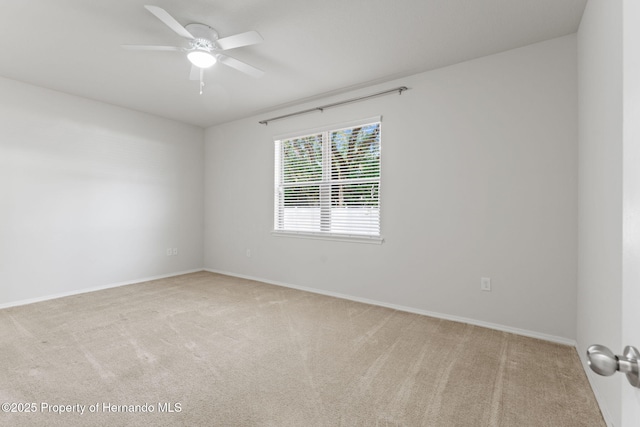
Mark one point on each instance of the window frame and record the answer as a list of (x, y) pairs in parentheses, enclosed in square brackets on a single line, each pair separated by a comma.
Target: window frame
[(326, 167)]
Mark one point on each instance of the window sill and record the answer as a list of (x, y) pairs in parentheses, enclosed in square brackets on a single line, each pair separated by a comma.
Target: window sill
[(353, 238)]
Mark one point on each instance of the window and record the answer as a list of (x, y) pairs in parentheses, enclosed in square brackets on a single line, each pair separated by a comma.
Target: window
[(327, 182)]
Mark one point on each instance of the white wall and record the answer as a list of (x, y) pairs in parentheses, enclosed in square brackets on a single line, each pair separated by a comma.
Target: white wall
[(91, 194), (479, 179), (600, 189)]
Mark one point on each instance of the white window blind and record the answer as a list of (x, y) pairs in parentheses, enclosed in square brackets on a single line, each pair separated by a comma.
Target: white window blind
[(328, 182)]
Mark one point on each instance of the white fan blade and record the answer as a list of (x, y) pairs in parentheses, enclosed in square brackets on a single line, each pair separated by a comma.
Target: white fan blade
[(169, 21), (149, 47), (240, 66), (239, 40), (195, 73)]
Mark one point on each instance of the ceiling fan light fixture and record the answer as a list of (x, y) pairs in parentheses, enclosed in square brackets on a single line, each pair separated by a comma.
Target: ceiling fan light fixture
[(201, 58)]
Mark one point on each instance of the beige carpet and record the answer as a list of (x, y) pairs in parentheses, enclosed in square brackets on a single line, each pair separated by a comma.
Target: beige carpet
[(210, 350)]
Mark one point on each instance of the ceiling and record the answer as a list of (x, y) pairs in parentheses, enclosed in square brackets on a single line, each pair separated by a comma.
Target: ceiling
[(311, 47)]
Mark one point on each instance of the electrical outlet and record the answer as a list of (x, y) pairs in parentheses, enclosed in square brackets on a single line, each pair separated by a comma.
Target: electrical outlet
[(248, 253), (175, 251), (485, 284), (169, 252)]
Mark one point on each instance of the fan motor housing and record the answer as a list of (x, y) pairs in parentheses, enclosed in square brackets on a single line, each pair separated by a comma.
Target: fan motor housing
[(202, 34)]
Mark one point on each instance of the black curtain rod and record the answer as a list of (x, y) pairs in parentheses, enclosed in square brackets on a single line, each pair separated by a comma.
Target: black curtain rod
[(335, 104)]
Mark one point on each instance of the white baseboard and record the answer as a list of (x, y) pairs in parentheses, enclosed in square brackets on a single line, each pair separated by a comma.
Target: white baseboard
[(97, 288), (503, 328)]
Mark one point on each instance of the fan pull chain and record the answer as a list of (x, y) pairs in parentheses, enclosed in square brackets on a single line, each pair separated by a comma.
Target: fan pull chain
[(201, 80)]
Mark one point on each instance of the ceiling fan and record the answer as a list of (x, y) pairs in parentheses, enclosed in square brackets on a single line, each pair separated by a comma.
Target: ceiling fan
[(205, 48)]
